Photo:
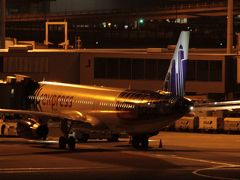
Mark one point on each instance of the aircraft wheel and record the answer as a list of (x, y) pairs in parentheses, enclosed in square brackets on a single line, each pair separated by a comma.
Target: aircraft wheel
[(71, 143), (136, 142), (140, 142), (62, 142), (144, 143)]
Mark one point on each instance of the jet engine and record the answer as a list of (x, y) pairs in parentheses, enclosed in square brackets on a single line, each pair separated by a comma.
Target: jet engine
[(31, 129)]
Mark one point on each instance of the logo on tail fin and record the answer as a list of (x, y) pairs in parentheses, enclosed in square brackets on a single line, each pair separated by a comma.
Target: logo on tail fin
[(176, 75)]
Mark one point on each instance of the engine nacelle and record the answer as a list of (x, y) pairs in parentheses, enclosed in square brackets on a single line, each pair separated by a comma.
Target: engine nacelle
[(31, 129)]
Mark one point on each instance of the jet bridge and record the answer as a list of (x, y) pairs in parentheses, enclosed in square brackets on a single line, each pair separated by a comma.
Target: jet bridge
[(15, 90)]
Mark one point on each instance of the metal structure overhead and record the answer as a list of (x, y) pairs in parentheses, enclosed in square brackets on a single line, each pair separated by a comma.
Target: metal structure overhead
[(179, 10), (205, 18)]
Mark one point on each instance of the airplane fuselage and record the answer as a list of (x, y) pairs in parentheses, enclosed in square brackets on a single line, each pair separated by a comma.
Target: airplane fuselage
[(132, 111)]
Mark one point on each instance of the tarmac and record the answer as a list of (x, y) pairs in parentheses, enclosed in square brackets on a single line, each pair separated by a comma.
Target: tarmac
[(175, 156)]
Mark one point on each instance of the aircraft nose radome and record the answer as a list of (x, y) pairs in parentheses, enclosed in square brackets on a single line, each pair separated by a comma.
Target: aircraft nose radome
[(185, 105), (188, 104)]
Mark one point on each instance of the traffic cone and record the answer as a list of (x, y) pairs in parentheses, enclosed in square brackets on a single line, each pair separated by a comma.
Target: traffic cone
[(160, 144)]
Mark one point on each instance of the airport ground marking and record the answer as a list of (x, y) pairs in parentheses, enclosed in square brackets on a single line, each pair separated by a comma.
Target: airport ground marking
[(217, 165), (220, 165), (197, 172), (202, 160), (176, 157), (53, 169)]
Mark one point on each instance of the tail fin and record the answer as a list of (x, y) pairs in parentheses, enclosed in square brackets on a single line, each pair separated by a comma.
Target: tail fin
[(176, 75)]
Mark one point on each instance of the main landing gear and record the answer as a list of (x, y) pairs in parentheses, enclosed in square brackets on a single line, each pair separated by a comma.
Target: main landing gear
[(140, 141), (70, 141), (65, 140)]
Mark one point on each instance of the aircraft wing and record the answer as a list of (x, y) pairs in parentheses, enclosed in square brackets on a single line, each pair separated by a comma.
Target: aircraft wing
[(214, 106), (69, 115)]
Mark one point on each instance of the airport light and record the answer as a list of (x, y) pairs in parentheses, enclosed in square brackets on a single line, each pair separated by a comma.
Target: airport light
[(141, 21), (104, 24)]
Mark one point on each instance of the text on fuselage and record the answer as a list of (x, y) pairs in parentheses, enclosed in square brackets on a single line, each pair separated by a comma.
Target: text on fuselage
[(55, 101)]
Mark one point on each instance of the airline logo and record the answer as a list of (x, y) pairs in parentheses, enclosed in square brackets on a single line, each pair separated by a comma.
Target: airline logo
[(177, 74), (175, 79), (178, 78), (54, 101)]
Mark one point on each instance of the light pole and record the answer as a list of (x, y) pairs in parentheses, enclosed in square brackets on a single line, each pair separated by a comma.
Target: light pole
[(230, 27), (2, 23)]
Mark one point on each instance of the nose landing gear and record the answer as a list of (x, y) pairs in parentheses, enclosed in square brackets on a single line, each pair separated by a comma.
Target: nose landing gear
[(63, 142), (66, 127)]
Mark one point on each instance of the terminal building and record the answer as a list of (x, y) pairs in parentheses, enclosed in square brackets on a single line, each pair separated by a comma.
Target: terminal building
[(209, 72)]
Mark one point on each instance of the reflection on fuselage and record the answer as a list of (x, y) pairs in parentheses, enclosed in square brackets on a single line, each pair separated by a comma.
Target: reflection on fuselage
[(108, 103)]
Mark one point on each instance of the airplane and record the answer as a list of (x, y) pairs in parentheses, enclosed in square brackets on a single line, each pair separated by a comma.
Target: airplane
[(140, 113)]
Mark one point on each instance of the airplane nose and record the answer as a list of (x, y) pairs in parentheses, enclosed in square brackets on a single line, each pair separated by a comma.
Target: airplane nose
[(184, 105)]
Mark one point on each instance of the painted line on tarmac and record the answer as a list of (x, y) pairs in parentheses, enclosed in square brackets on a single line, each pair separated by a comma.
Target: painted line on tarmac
[(54, 169), (179, 157), (220, 165), (198, 172), (201, 160), (217, 165)]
